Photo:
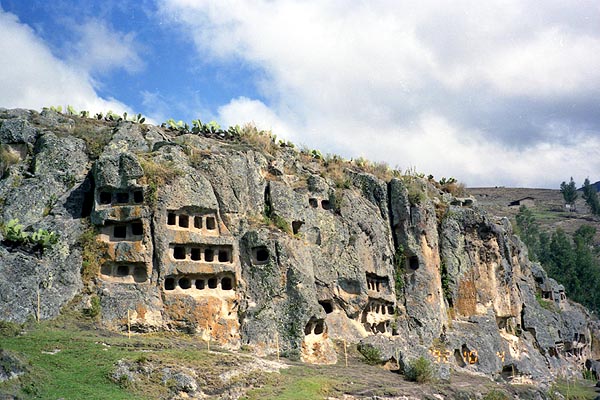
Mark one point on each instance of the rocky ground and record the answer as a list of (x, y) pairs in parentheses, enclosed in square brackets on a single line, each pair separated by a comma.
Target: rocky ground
[(52, 360)]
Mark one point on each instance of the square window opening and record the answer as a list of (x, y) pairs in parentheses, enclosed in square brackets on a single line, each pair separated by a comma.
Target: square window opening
[(122, 198), (105, 197), (211, 223), (122, 270), (226, 283), (185, 283), (120, 231), (137, 228), (138, 197), (179, 253), (170, 284), (184, 221), (196, 254), (223, 256)]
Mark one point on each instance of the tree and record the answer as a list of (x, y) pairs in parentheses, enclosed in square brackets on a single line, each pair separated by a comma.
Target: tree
[(591, 196), (528, 230), (569, 192)]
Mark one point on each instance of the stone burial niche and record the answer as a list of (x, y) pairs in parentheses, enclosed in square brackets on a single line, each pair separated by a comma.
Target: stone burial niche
[(222, 284), (316, 346), (131, 231), (203, 223), (206, 253), (377, 317), (124, 272), (110, 197)]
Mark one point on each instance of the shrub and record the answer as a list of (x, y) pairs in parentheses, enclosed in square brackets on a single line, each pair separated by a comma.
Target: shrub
[(419, 370), (416, 194), (277, 221), (38, 241), (92, 252), (261, 140), (9, 329), (94, 309), (157, 174), (43, 238), (13, 232), (371, 354)]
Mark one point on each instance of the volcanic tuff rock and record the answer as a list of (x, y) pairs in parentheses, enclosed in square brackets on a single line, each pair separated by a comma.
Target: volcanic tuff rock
[(267, 247)]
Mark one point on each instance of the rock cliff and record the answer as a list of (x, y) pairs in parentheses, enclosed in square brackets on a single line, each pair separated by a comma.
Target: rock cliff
[(248, 243)]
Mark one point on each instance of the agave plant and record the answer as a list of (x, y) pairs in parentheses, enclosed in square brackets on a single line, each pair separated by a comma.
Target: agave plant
[(13, 232), (71, 110), (44, 238), (111, 116)]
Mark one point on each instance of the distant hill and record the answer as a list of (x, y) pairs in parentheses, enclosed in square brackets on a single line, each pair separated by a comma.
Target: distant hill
[(546, 204), (595, 184)]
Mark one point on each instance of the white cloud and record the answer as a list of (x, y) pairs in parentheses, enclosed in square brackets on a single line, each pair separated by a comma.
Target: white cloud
[(31, 77), (100, 49), (491, 92), (244, 110)]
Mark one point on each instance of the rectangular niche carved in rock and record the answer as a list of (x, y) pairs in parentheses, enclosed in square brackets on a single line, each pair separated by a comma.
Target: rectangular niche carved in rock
[(260, 255), (120, 231), (105, 197), (212, 283), (137, 228), (413, 263), (327, 306), (192, 283), (179, 253), (196, 254), (377, 283), (223, 256), (170, 283), (201, 253), (138, 196), (184, 221), (211, 223), (122, 197), (171, 218), (296, 225), (198, 222), (124, 272)]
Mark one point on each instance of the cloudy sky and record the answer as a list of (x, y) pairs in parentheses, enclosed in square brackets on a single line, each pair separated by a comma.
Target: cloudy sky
[(492, 93)]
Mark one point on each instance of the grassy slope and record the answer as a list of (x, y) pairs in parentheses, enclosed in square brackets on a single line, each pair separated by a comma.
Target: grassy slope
[(87, 357)]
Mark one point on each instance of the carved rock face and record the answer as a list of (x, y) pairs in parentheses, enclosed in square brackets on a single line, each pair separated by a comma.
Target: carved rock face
[(219, 240)]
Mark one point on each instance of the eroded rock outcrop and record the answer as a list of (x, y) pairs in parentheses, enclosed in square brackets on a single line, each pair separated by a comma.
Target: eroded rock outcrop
[(243, 246)]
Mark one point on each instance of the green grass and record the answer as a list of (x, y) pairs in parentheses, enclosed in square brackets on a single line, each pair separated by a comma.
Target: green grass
[(80, 370), (296, 383), (574, 390)]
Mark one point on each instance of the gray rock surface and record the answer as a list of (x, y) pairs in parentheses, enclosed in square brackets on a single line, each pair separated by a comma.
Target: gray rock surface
[(11, 366), (272, 250)]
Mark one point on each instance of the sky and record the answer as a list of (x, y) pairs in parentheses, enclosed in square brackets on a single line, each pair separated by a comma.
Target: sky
[(493, 93)]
